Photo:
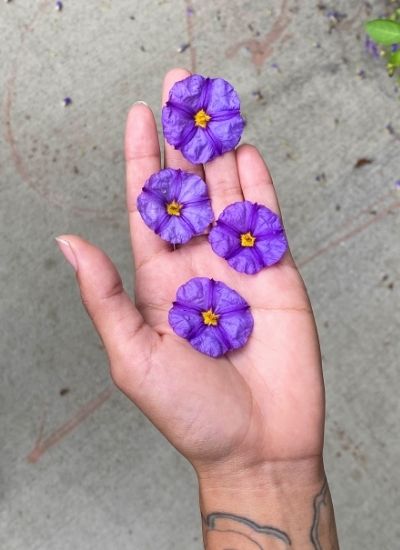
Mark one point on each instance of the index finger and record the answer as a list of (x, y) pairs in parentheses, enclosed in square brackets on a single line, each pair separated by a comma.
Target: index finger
[(142, 155)]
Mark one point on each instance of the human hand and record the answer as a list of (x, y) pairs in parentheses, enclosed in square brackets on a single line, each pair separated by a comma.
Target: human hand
[(260, 408)]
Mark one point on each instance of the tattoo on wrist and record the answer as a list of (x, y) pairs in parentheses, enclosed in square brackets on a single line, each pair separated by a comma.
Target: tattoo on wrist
[(243, 528), (227, 531), (323, 520)]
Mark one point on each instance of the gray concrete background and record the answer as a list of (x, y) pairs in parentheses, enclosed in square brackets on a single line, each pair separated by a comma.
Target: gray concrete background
[(81, 467)]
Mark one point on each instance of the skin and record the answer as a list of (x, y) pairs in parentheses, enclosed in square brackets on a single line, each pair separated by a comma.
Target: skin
[(250, 423)]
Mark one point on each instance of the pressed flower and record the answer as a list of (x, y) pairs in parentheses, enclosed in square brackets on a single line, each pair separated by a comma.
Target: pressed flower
[(214, 318), (176, 205), (202, 118), (249, 236)]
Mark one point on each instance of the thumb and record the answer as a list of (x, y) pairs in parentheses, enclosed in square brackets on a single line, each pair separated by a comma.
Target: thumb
[(126, 337)]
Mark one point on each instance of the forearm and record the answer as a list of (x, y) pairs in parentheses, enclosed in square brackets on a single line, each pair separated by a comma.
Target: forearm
[(274, 507)]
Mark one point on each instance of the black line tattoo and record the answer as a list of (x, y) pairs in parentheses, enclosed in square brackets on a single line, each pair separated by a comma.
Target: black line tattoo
[(319, 501), (240, 535), (212, 519)]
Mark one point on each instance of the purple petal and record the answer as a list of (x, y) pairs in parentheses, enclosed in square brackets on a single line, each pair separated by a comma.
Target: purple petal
[(221, 97), (177, 125), (223, 243), (184, 321), (175, 231), (200, 149), (210, 342), (226, 300), (237, 328), (227, 132), (271, 249), (188, 93), (265, 226), (247, 261), (266, 221), (186, 189), (195, 294), (199, 216), (238, 216), (234, 319)]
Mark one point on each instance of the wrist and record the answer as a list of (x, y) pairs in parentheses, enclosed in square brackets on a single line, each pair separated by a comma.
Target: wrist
[(220, 481), (273, 503)]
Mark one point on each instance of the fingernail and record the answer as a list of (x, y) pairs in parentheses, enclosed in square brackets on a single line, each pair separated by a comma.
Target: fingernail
[(68, 252), (140, 102)]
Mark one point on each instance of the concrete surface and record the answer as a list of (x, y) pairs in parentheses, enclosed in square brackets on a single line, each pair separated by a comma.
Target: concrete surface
[(107, 479)]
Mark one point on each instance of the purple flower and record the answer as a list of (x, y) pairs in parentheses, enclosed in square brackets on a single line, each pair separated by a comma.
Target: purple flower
[(211, 316), (202, 118), (249, 236), (175, 204)]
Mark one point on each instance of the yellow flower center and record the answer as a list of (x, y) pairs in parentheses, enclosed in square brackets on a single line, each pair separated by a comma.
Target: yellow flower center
[(247, 239), (201, 118), (174, 208), (210, 318)]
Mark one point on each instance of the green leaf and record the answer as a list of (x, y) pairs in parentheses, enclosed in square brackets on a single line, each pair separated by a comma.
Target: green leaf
[(394, 59), (383, 31)]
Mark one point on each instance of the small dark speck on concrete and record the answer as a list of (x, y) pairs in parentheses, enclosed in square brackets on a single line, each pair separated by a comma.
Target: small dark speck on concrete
[(75, 170), (183, 47), (373, 212), (362, 162), (326, 324), (361, 74), (251, 28), (390, 129), (67, 101), (142, 48), (49, 263), (132, 17), (321, 177), (257, 94), (385, 277), (337, 207), (64, 391), (390, 286)]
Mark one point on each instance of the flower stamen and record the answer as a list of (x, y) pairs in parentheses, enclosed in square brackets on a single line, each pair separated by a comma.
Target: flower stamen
[(201, 118), (210, 318), (174, 208), (247, 239)]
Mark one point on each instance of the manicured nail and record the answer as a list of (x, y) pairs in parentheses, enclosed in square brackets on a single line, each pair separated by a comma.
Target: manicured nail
[(68, 252), (140, 102)]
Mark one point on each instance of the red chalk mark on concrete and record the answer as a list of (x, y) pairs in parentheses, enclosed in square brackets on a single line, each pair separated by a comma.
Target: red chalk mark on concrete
[(12, 140), (42, 445), (262, 49)]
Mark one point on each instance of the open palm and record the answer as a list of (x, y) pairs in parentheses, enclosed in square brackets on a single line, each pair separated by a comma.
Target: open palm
[(261, 403)]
